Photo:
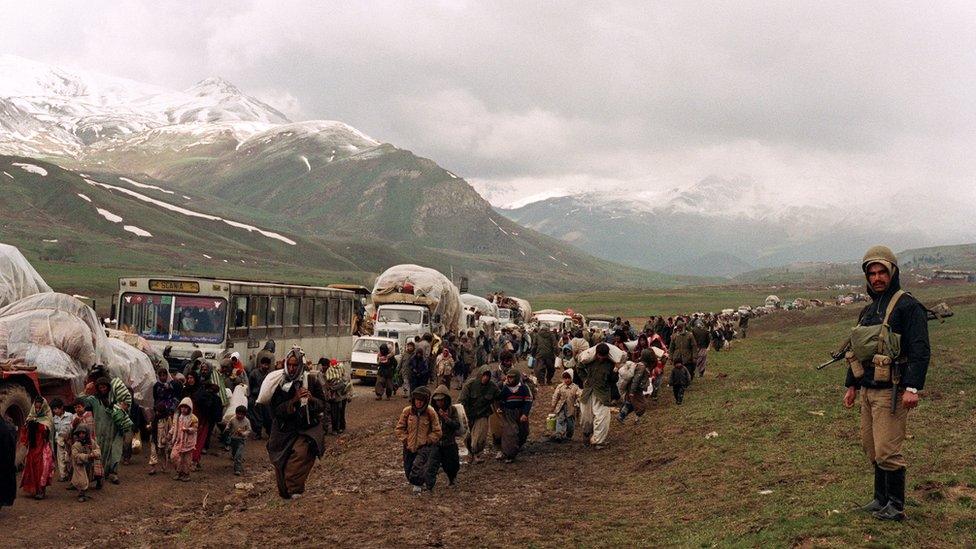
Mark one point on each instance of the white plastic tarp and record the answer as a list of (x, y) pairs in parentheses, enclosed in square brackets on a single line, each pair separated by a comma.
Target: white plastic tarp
[(53, 303), (430, 286), (18, 278), (135, 369), (480, 304)]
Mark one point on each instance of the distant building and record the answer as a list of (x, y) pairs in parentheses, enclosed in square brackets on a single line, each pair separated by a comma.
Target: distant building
[(952, 274)]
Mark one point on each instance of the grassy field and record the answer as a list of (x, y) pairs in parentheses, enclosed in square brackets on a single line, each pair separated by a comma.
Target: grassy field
[(640, 304), (786, 467)]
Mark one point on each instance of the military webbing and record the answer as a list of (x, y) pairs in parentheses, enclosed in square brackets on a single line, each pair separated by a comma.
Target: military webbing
[(883, 335)]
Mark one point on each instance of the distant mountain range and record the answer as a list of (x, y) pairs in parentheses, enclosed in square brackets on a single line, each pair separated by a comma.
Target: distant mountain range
[(104, 171), (716, 227)]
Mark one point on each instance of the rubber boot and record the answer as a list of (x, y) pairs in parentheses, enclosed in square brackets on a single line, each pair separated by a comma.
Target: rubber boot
[(895, 488), (880, 493)]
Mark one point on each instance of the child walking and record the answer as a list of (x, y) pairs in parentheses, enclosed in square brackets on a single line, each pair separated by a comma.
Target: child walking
[(62, 437), (184, 437), (680, 378), (84, 454), (239, 428), (86, 419), (161, 438), (564, 399)]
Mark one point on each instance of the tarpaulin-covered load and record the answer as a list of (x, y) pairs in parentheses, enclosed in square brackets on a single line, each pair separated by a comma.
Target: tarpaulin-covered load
[(773, 301), (479, 304), (18, 279), (135, 369), (155, 357), (418, 285), (51, 304)]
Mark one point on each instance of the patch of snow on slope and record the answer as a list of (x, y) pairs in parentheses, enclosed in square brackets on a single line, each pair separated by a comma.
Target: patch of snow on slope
[(145, 186), (191, 213), (109, 215), (305, 160), (137, 231), (30, 168), (207, 256), (8, 175), (50, 240), (84, 197)]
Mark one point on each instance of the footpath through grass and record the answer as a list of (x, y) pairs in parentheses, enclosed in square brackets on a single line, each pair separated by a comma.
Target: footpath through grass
[(786, 467)]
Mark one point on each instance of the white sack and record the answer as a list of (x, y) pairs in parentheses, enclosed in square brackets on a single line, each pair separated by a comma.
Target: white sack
[(271, 382), (237, 398), (616, 355)]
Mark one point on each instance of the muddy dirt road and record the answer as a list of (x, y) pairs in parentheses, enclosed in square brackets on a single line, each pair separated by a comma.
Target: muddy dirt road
[(115, 511)]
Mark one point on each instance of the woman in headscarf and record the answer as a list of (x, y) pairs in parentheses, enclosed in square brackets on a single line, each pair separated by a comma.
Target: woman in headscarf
[(37, 437), (111, 422), (297, 436)]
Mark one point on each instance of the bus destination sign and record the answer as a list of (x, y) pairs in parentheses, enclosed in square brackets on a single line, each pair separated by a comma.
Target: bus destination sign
[(186, 286)]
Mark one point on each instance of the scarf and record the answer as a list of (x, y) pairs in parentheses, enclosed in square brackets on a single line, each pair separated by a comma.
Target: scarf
[(288, 380)]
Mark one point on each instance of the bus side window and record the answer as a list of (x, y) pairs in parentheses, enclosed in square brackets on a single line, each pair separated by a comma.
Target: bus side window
[(259, 311), (275, 311), (345, 314), (333, 316), (307, 314), (321, 316), (240, 311), (292, 316)]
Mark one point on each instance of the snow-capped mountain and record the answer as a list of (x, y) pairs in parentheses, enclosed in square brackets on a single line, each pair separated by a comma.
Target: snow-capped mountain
[(56, 112), (716, 226)]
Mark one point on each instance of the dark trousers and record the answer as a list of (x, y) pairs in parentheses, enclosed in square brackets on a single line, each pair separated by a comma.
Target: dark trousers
[(237, 451), (445, 457), (260, 416), (416, 466), (337, 414), (679, 393)]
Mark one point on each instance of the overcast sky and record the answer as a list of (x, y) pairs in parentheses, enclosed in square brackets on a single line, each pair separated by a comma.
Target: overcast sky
[(848, 98)]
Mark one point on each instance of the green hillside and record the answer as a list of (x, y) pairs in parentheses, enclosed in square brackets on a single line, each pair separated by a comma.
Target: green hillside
[(82, 250)]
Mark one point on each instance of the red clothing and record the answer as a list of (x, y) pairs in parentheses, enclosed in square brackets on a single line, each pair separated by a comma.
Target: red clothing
[(39, 464), (203, 433)]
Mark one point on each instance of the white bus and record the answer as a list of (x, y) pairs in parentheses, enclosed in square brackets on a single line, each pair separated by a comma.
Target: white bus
[(217, 316)]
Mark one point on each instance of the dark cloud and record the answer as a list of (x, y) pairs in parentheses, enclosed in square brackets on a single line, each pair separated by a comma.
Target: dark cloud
[(838, 95)]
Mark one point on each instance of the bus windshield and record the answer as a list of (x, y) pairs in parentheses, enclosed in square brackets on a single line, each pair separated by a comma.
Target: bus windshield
[(174, 318)]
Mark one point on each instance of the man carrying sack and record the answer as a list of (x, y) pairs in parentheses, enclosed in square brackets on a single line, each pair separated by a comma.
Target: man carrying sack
[(887, 360)]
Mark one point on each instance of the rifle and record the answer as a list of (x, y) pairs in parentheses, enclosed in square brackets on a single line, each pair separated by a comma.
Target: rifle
[(837, 356)]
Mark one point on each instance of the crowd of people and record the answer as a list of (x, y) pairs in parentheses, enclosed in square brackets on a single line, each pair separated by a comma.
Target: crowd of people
[(84, 442), (596, 369), (295, 404)]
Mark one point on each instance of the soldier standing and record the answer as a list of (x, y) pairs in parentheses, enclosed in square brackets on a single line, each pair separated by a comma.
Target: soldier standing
[(890, 371)]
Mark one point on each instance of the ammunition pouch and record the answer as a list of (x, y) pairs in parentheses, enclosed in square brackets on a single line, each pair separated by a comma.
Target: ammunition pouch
[(856, 368), (882, 368)]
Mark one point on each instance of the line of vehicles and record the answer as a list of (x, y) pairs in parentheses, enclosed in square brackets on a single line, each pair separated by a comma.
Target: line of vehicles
[(176, 316)]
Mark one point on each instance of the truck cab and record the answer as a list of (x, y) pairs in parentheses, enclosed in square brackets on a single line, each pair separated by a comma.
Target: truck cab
[(504, 316), (403, 322)]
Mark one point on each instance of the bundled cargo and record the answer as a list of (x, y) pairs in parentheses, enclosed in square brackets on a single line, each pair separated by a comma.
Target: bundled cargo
[(18, 278), (420, 286), (479, 304), (57, 309)]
